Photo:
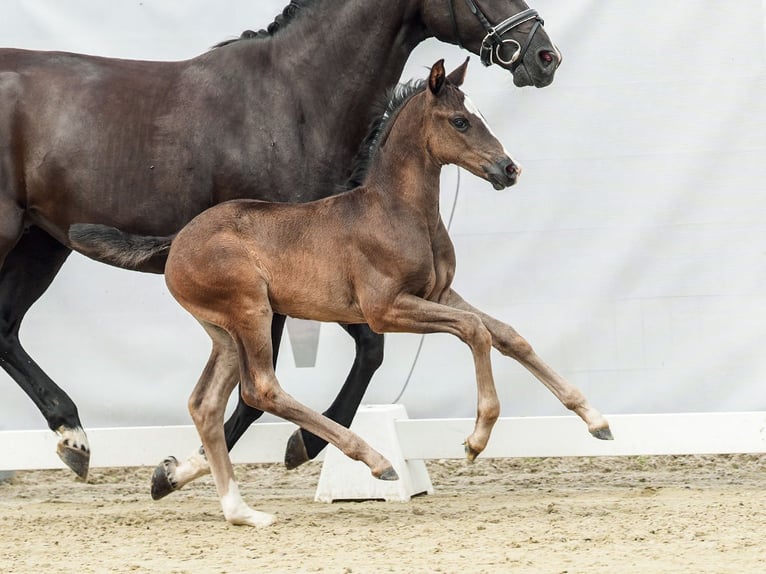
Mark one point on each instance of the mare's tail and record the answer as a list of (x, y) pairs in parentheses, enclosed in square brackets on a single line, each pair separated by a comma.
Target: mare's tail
[(114, 247)]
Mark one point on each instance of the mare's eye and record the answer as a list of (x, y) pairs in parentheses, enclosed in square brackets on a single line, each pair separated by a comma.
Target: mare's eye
[(460, 123)]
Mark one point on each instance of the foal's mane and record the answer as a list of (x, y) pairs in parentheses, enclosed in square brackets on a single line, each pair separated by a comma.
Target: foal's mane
[(379, 128), (287, 15)]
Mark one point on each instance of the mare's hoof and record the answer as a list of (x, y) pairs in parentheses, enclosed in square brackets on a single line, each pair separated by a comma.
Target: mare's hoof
[(389, 474), (603, 434), (162, 483), (295, 452), (75, 458)]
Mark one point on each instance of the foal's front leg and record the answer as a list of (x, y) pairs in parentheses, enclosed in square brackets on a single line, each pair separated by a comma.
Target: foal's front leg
[(411, 314), (506, 340)]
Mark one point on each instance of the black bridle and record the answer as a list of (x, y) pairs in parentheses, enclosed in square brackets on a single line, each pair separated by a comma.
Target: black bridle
[(493, 41)]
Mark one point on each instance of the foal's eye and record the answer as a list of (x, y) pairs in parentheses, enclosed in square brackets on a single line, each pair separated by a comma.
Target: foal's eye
[(460, 123)]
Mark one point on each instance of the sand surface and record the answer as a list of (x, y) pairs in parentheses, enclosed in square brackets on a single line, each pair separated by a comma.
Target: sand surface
[(618, 515)]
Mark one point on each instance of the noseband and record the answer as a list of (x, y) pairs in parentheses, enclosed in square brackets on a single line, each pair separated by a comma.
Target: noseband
[(493, 41)]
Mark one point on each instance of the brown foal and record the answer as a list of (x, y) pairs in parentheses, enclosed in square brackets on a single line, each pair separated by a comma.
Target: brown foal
[(378, 254)]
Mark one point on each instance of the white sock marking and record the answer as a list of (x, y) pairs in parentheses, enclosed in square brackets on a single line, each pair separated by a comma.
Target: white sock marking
[(237, 512), (76, 438), (193, 467)]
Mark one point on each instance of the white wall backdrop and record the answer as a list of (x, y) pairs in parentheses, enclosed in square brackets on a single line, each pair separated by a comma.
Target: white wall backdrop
[(632, 254)]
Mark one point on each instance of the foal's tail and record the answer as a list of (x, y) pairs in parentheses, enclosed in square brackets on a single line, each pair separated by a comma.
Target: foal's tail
[(114, 247)]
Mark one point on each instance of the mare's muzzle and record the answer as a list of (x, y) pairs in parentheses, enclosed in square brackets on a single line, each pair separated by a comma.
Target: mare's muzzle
[(532, 61), (503, 173)]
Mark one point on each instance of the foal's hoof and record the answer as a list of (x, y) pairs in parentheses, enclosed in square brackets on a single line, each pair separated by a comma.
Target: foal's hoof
[(388, 474), (76, 458), (470, 453), (162, 483), (295, 452), (249, 517), (603, 434)]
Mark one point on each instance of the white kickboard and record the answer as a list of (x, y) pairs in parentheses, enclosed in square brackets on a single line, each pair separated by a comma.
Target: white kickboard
[(344, 479)]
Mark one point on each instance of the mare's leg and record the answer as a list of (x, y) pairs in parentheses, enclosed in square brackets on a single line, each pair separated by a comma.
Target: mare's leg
[(260, 389), (207, 405), (304, 446), (171, 475), (411, 314), (28, 270), (506, 340)]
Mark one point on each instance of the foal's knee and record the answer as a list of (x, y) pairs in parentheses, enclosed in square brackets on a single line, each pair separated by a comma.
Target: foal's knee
[(476, 334)]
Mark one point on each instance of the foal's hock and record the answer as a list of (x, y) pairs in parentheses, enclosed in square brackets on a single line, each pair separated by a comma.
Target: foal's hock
[(378, 254)]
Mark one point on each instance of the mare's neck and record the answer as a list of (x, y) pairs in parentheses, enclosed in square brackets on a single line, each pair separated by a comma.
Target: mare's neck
[(340, 58)]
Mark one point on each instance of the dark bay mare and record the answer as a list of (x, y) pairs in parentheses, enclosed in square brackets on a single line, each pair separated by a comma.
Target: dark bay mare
[(145, 146), (378, 254)]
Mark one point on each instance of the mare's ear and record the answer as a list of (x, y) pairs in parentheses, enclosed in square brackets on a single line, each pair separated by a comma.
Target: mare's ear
[(437, 78), (457, 76)]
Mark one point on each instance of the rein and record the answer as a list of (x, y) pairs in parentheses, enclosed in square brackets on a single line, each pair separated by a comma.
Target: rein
[(493, 41)]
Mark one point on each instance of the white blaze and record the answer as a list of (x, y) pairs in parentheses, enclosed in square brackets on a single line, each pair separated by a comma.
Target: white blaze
[(471, 107)]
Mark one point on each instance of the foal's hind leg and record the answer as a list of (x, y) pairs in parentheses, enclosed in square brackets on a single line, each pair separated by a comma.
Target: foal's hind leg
[(207, 405), (506, 340), (171, 475), (28, 270), (260, 389), (304, 446)]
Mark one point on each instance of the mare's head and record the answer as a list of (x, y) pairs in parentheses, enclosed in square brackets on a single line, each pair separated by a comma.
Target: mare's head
[(456, 132), (507, 33)]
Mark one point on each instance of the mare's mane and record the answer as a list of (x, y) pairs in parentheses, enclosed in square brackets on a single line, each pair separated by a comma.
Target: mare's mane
[(287, 15), (381, 125)]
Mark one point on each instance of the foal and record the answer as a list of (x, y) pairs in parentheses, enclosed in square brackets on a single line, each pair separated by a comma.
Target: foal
[(378, 254)]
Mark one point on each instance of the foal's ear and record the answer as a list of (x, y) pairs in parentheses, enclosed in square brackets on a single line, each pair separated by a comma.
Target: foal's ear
[(437, 78), (457, 76)]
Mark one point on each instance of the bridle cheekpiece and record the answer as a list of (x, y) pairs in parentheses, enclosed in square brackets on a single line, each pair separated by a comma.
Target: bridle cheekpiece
[(493, 42)]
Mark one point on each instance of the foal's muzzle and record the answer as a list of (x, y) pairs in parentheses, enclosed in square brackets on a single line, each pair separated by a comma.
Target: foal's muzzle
[(503, 173)]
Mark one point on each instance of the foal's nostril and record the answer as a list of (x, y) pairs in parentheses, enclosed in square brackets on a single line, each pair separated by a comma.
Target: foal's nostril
[(511, 170)]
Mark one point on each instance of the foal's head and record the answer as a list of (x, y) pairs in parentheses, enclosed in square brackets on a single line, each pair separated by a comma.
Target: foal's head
[(456, 132)]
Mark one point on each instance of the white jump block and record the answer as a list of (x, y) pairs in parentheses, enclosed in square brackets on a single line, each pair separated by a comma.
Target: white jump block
[(344, 479)]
